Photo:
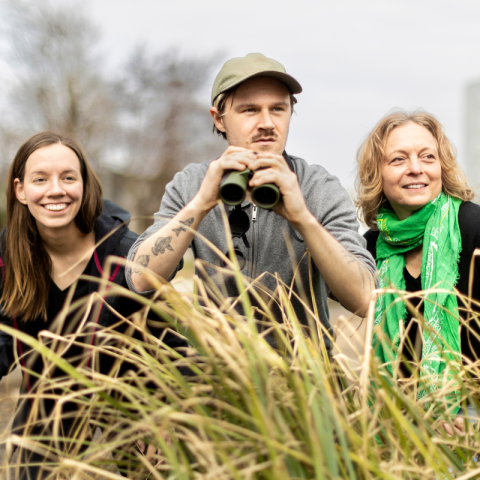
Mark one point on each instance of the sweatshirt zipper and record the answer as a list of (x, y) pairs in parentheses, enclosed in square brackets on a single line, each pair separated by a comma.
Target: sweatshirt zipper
[(254, 219)]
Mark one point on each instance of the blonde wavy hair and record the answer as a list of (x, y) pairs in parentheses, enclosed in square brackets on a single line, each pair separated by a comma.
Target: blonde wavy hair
[(370, 156)]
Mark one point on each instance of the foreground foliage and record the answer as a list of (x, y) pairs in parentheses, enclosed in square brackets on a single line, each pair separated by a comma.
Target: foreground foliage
[(232, 406)]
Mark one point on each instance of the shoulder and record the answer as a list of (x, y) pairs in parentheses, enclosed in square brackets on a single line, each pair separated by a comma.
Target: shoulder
[(126, 242), (304, 170), (114, 219), (371, 237), (323, 192), (194, 171), (186, 183), (315, 178), (469, 218)]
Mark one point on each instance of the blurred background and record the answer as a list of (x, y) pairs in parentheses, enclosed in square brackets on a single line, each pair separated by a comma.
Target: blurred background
[(131, 79)]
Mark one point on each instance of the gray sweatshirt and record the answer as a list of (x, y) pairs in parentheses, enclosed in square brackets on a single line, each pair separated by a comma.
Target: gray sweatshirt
[(275, 248)]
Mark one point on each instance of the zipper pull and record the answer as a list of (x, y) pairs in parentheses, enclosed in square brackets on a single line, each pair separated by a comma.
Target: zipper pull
[(254, 214)]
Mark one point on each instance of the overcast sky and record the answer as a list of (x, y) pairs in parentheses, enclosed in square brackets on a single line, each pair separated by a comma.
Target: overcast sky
[(356, 59)]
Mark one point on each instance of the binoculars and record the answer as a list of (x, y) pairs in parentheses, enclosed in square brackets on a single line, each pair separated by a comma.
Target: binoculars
[(233, 189)]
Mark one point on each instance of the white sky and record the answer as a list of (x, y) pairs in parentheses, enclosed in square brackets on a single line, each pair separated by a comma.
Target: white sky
[(356, 59)]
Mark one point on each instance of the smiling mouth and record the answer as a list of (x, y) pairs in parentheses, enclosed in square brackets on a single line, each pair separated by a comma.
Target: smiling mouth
[(415, 186), (56, 207)]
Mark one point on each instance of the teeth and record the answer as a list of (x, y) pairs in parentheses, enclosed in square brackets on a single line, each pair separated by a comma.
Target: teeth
[(416, 186), (57, 207)]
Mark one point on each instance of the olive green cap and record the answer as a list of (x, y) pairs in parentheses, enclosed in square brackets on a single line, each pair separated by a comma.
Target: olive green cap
[(237, 70)]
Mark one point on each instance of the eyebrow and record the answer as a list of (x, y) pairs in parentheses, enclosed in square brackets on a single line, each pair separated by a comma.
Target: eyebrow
[(41, 172), (250, 105), (405, 152)]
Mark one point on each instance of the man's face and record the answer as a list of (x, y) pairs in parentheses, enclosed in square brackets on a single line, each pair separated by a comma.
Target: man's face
[(257, 115)]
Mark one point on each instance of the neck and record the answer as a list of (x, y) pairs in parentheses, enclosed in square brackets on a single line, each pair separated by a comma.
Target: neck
[(403, 213), (63, 241)]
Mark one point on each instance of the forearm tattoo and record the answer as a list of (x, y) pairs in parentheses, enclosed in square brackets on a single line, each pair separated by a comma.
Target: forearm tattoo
[(162, 244), (142, 260), (187, 223), (364, 272)]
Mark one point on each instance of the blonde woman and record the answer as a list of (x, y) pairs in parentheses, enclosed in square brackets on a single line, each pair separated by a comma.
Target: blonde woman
[(423, 232)]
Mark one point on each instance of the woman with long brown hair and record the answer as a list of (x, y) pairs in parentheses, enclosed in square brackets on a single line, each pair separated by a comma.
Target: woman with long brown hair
[(55, 222), (424, 230)]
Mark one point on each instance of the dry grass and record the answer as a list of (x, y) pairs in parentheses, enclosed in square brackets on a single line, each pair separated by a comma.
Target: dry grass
[(232, 406)]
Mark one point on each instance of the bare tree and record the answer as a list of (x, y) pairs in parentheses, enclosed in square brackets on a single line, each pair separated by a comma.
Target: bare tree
[(138, 130), (163, 124), (59, 83)]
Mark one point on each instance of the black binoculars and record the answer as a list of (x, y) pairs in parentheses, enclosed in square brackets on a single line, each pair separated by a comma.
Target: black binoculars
[(233, 189)]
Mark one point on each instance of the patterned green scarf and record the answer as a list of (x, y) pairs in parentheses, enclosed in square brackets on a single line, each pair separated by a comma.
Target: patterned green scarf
[(436, 227)]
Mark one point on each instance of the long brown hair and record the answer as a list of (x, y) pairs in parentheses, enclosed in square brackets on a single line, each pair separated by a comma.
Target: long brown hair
[(28, 266), (372, 152)]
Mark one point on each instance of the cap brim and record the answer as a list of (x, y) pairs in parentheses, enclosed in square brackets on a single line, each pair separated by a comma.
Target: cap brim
[(285, 78)]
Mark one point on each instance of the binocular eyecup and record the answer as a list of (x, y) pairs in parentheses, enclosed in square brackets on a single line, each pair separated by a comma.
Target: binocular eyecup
[(233, 189)]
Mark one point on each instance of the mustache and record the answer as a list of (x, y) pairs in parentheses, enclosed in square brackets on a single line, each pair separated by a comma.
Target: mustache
[(267, 133)]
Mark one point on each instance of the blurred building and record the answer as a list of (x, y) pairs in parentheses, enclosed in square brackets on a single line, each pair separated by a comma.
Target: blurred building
[(472, 141)]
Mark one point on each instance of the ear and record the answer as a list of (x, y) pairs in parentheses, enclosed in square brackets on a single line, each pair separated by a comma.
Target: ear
[(19, 191), (217, 119)]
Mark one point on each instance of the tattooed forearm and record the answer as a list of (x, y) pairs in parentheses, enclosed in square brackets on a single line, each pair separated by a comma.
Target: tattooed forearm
[(187, 223), (162, 244), (143, 262), (364, 272)]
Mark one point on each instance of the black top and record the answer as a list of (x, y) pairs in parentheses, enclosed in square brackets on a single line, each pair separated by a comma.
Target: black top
[(116, 244), (469, 223)]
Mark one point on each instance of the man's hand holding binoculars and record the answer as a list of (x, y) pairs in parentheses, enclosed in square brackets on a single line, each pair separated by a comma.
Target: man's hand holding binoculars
[(265, 168), (273, 169), (233, 158)]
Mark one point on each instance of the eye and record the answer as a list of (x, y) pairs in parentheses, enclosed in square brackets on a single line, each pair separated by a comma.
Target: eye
[(70, 178), (39, 180), (249, 110), (397, 160), (278, 109), (430, 157)]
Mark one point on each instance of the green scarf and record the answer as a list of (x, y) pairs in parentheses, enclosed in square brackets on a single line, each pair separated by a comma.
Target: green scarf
[(436, 227)]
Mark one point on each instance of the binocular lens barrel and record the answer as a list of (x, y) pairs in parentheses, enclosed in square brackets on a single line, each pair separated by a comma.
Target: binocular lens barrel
[(233, 189), (266, 196)]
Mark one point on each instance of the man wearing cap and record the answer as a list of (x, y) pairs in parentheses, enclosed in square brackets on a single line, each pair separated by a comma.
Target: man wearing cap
[(252, 103)]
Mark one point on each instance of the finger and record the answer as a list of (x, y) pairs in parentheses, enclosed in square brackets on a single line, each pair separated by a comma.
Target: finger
[(459, 424), (272, 162), (243, 158), (265, 176), (232, 165), (447, 429), (239, 155), (232, 148)]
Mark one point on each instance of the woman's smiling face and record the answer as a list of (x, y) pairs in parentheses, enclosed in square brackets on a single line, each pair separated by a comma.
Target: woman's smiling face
[(52, 187), (411, 169)]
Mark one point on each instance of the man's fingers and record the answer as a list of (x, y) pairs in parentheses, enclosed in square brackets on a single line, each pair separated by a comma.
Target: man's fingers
[(232, 165), (242, 159), (264, 176), (273, 161)]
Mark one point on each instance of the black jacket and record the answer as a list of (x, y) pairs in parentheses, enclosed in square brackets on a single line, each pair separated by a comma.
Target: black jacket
[(118, 244)]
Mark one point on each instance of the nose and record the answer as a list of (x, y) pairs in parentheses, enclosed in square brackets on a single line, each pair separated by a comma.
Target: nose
[(265, 121), (415, 166), (56, 188)]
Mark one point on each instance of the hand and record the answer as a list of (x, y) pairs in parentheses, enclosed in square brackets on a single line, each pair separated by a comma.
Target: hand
[(458, 427), (270, 168), (234, 158)]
